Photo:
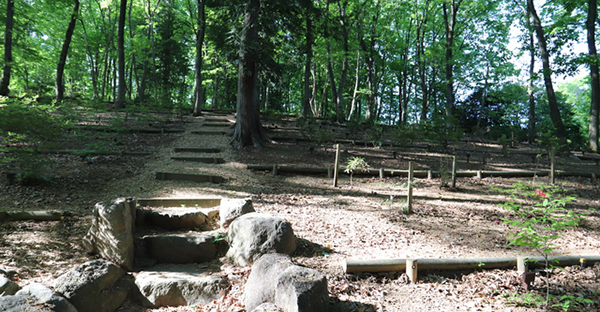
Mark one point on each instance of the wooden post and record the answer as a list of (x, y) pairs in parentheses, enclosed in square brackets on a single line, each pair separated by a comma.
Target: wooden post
[(337, 165), (593, 177), (409, 199), (479, 174), (412, 269), (329, 172), (429, 175), (552, 165), (521, 265), (453, 171), (381, 174), (274, 171)]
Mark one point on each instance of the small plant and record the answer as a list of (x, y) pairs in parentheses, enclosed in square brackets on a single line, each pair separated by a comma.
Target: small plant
[(356, 164), (539, 225)]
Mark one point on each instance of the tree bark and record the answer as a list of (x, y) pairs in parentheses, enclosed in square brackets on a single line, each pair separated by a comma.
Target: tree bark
[(5, 82), (560, 130), (199, 90), (62, 60), (339, 105), (595, 79), (248, 129), (120, 100)]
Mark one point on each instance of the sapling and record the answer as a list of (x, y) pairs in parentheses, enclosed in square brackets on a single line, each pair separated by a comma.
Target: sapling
[(356, 164), (538, 225)]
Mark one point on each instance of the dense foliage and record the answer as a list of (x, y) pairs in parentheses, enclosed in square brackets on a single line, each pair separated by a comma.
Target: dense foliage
[(458, 63)]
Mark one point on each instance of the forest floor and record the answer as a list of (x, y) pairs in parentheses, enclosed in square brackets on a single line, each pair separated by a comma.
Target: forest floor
[(365, 220)]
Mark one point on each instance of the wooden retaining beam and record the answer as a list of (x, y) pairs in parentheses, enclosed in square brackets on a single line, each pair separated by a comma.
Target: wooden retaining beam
[(95, 153), (32, 215), (206, 160), (189, 177), (210, 132), (130, 130), (178, 202), (216, 124), (196, 150), (397, 265)]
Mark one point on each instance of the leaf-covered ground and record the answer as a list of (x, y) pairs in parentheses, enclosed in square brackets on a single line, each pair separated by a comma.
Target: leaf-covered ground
[(365, 220)]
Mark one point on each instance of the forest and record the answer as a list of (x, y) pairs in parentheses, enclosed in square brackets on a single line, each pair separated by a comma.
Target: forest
[(487, 68)]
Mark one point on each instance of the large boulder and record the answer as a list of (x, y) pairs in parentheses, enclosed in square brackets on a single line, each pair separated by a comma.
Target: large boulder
[(275, 279), (95, 286), (111, 233), (262, 282), (46, 296), (301, 289), (8, 287), (176, 285), (22, 304), (231, 208), (254, 234), (180, 248)]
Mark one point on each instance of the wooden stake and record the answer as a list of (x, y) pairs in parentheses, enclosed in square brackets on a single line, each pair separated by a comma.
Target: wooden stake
[(337, 165), (453, 171), (274, 170), (381, 174), (521, 265), (409, 200), (412, 270)]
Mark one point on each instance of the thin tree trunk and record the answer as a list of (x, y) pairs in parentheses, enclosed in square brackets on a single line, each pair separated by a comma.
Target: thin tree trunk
[(62, 60), (8, 32), (307, 67), (450, 12), (120, 101), (595, 79), (560, 130), (339, 107), (356, 83), (248, 129), (199, 90), (530, 94)]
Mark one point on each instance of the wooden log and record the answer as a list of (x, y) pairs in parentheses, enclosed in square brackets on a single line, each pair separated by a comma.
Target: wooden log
[(189, 177), (337, 165), (453, 185), (206, 160), (32, 215), (409, 200), (130, 130), (95, 153), (209, 132), (398, 265)]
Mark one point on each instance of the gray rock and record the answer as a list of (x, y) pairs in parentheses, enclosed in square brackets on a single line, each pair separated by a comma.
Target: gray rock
[(268, 307), (262, 282), (252, 235), (111, 233), (301, 289), (232, 208), (95, 286), (44, 295), (8, 287), (22, 304), (177, 218), (180, 248), (176, 285)]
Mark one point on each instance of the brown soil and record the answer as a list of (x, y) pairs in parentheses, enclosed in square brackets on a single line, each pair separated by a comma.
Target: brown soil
[(365, 220)]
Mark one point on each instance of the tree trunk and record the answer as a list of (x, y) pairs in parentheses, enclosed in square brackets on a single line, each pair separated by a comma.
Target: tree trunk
[(339, 107), (62, 60), (307, 67), (5, 82), (120, 100), (450, 13), (248, 130), (560, 130), (199, 90), (595, 79), (531, 123)]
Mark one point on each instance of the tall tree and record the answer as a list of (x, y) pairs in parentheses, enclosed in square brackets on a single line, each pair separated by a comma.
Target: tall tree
[(200, 31), (248, 129), (8, 59), (62, 60), (559, 127), (595, 79), (450, 10), (308, 16), (530, 93), (120, 100)]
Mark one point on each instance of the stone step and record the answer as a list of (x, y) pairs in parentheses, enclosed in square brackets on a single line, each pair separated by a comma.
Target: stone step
[(178, 248), (176, 218), (179, 285)]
